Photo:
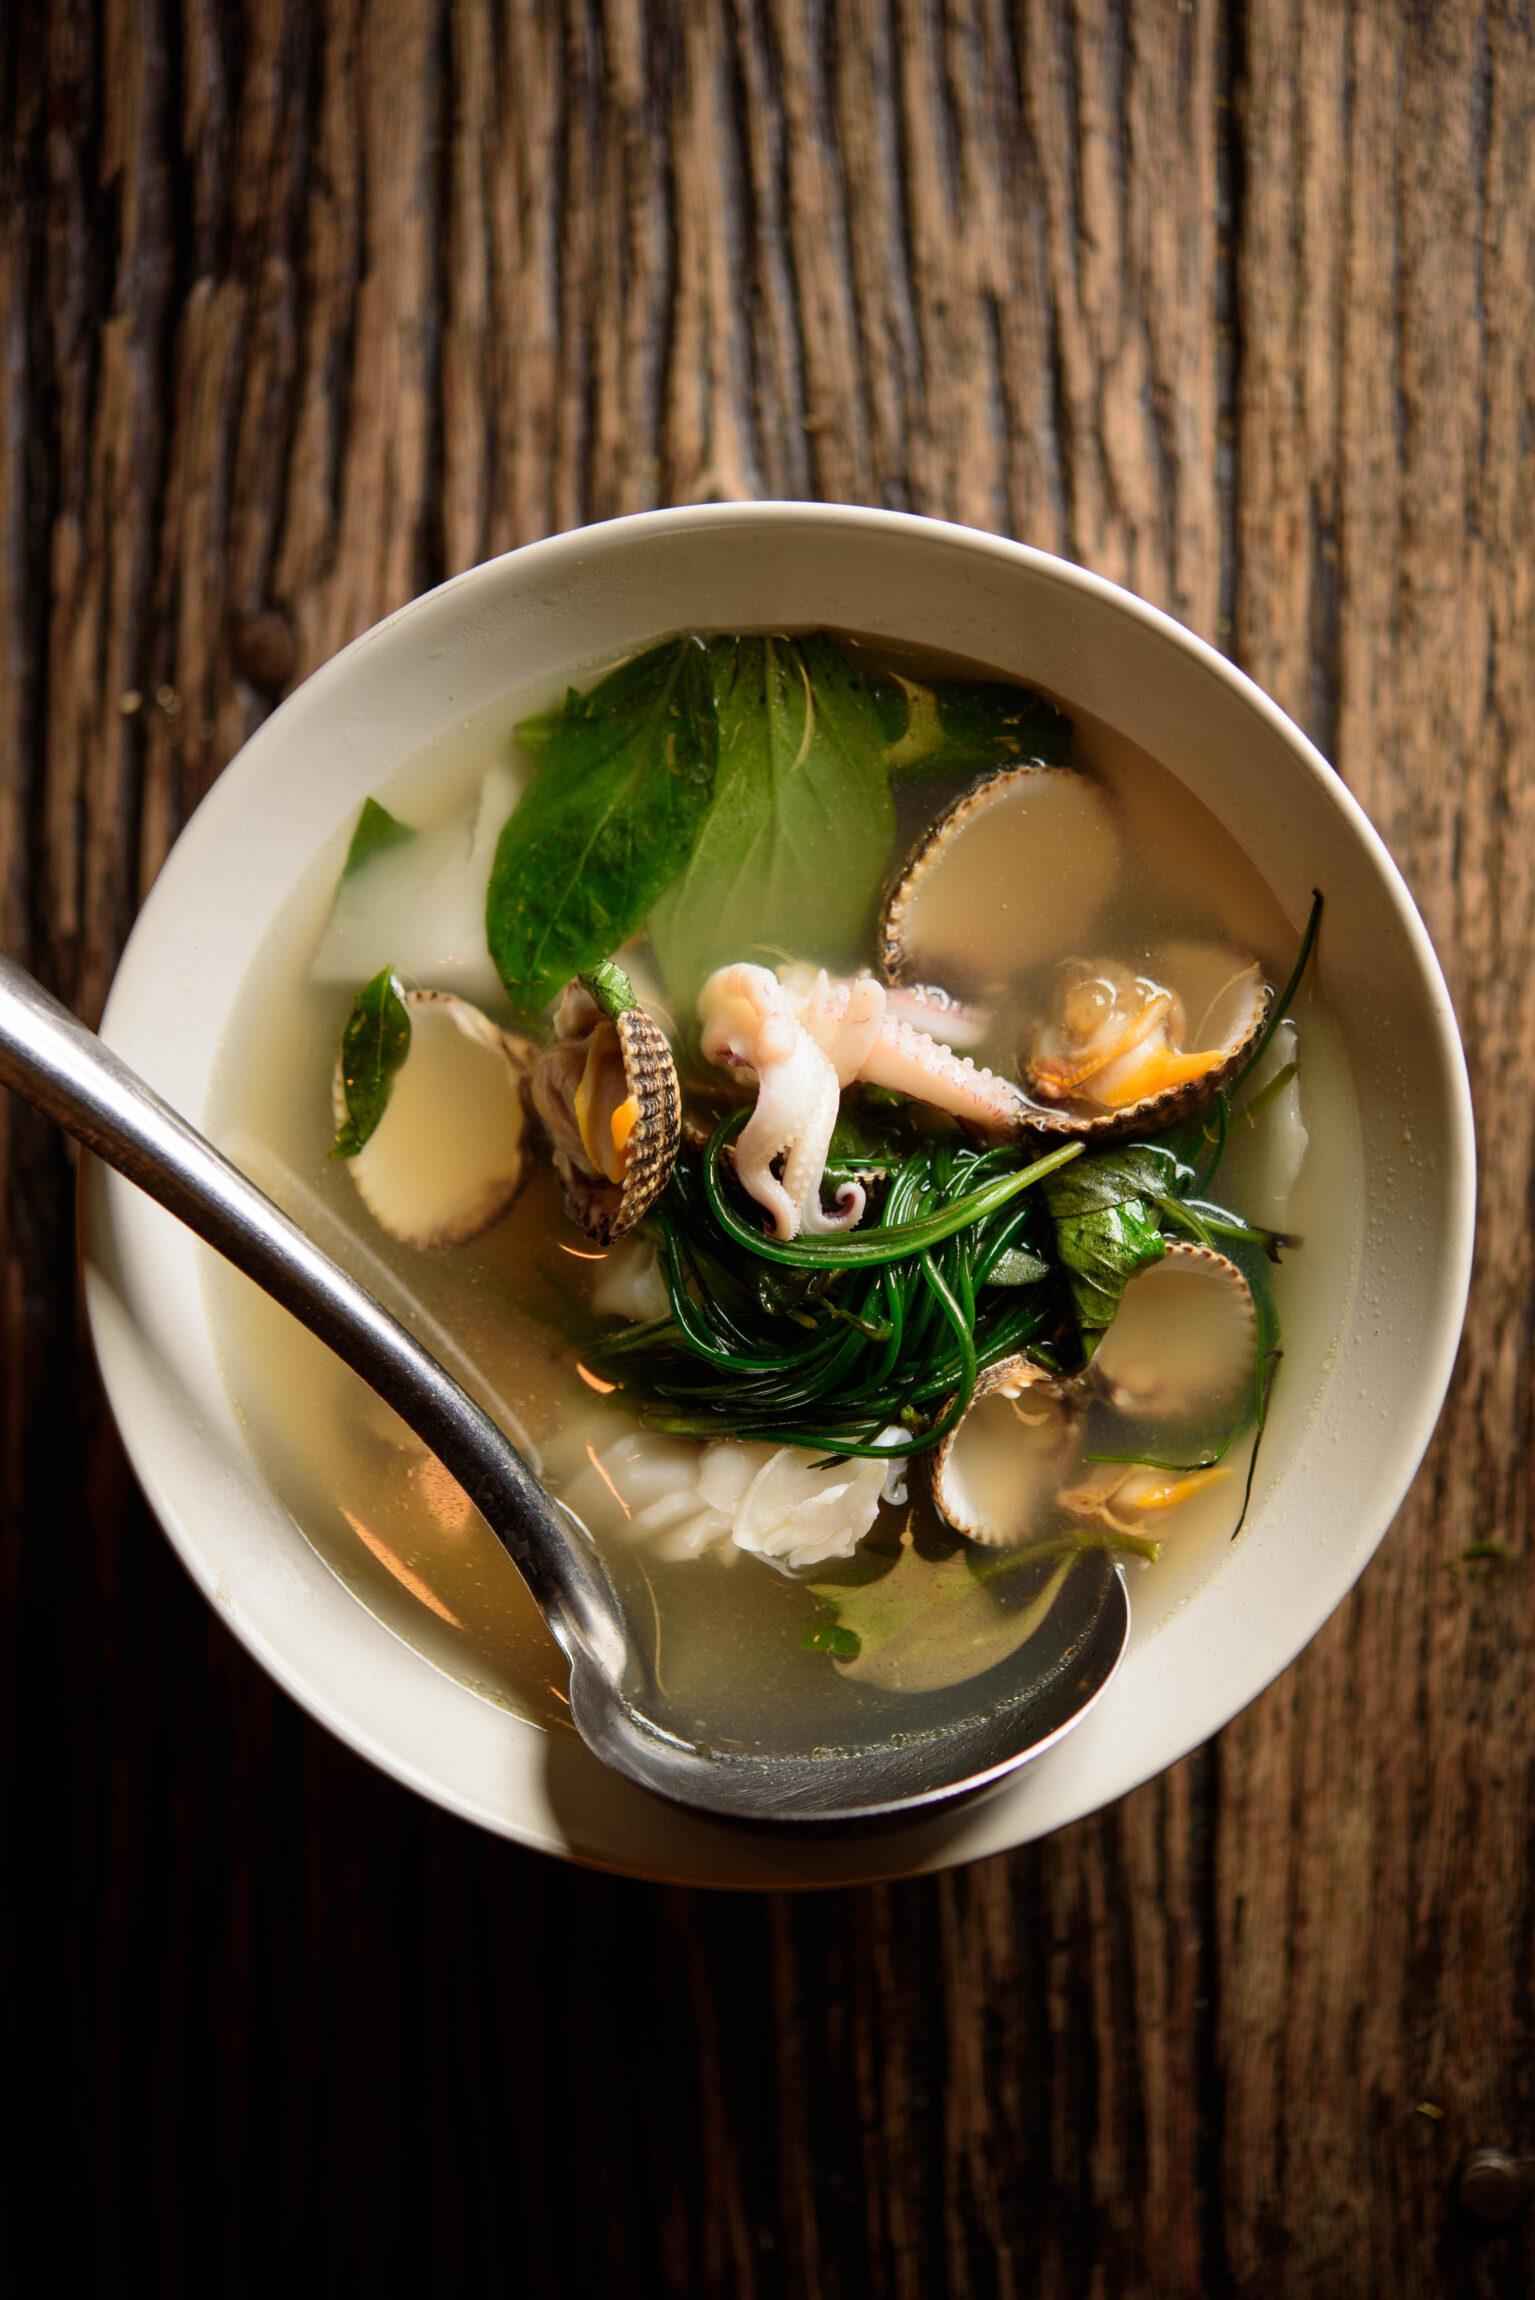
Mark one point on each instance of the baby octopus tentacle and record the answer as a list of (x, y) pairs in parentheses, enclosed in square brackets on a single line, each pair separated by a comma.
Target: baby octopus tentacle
[(805, 1113), (909, 1061), (867, 1032), (750, 1024)]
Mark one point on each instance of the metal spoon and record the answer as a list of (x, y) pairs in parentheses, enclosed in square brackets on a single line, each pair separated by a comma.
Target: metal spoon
[(55, 1062)]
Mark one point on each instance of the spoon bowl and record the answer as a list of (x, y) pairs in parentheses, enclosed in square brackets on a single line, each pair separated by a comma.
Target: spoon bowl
[(53, 1061)]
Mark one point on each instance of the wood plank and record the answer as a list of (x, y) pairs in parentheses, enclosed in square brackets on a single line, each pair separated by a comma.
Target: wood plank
[(1374, 1847)]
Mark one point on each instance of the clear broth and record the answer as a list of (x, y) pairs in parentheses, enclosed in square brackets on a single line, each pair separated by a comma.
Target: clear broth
[(505, 1311)]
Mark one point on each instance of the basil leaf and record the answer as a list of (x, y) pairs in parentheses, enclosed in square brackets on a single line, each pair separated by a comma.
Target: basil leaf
[(623, 783), (377, 831), (1106, 1228), (795, 847), (962, 724), (373, 1046), (1110, 1178)]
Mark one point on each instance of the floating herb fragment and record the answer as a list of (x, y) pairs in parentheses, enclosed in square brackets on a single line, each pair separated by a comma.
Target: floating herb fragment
[(373, 1047), (377, 831), (611, 990), (929, 1623)]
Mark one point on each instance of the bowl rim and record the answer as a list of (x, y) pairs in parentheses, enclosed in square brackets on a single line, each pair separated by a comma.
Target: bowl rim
[(107, 1203)]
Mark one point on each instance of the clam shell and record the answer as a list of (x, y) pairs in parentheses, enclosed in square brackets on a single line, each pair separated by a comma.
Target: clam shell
[(451, 1150), (657, 1137), (1206, 978), (997, 1474), (1183, 1346), (1011, 874), (604, 1209)]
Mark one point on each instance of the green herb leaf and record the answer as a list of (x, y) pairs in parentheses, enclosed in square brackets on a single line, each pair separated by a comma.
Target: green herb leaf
[(1106, 1228), (972, 723), (1017, 1267), (623, 784), (794, 849), (377, 831), (373, 1046)]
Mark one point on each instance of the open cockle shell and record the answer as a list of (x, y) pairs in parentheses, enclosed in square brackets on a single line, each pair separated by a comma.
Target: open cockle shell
[(996, 1475), (1183, 1346), (451, 1150), (606, 1089), (1128, 1052), (1012, 873)]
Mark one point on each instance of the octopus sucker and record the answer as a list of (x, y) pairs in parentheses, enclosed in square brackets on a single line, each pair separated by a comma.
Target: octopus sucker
[(909, 1061)]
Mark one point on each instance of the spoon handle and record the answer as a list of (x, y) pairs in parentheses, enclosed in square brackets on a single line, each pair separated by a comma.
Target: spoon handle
[(52, 1060)]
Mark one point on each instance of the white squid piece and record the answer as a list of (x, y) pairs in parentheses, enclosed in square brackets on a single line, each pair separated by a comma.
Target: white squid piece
[(732, 1497)]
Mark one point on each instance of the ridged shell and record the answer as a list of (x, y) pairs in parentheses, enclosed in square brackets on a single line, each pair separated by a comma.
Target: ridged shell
[(604, 1209), (1073, 843), (1252, 999), (657, 1137), (1005, 1502), (1183, 1346)]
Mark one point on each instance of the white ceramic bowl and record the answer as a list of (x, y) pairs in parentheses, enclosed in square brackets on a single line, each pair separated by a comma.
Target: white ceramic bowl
[(1342, 1467)]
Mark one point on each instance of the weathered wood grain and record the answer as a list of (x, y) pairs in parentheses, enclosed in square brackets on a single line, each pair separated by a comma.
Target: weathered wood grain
[(303, 306)]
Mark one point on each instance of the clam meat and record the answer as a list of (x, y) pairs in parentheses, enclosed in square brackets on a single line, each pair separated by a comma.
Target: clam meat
[(1120, 1049)]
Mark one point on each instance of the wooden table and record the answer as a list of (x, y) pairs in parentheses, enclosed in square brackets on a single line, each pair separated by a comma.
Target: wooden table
[(306, 306)]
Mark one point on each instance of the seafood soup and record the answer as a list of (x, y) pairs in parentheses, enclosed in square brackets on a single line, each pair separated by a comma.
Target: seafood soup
[(872, 1140)]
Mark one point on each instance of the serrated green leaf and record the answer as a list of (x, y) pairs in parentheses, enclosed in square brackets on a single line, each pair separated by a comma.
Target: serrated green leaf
[(624, 781), (373, 1047)]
